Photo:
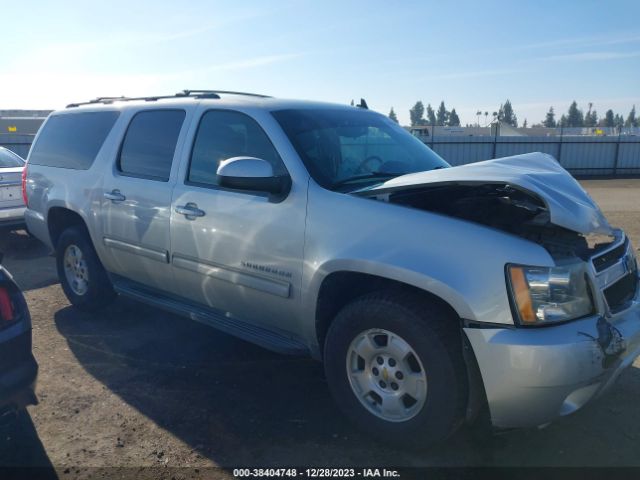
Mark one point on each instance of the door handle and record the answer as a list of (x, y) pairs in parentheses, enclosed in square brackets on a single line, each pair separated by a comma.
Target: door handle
[(190, 210), (115, 196)]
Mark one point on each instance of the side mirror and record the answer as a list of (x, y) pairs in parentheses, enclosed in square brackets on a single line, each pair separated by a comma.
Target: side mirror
[(250, 173)]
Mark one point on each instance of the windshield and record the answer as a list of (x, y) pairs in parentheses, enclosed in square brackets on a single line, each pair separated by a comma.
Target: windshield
[(9, 159), (347, 149)]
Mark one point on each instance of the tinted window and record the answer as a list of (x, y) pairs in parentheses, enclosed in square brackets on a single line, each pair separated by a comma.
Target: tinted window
[(72, 140), (150, 143), (226, 134), (351, 148), (9, 159)]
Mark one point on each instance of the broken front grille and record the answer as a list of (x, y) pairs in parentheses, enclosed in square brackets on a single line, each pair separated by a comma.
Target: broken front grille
[(617, 275), (611, 257)]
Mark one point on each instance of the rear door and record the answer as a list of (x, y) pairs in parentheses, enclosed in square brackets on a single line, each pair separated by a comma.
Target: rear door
[(136, 197)]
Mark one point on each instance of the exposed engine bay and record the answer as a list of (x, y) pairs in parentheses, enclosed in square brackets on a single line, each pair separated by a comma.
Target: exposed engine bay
[(504, 207)]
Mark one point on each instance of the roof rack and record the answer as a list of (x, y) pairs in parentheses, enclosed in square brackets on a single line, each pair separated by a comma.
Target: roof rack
[(185, 93)]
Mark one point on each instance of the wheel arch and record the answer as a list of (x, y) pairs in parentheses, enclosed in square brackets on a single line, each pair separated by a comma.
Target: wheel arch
[(59, 218), (339, 287)]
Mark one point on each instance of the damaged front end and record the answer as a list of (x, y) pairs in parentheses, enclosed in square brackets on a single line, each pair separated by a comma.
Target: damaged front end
[(551, 371)]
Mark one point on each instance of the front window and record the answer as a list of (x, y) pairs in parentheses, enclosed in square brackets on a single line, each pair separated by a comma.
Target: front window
[(347, 149)]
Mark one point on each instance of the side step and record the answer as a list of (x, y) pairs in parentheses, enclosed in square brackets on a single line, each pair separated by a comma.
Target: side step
[(251, 333)]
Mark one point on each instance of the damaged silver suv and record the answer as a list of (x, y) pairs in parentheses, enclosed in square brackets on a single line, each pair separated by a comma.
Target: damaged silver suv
[(308, 228)]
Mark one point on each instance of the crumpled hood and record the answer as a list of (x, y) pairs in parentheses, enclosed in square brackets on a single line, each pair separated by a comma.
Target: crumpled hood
[(569, 205)]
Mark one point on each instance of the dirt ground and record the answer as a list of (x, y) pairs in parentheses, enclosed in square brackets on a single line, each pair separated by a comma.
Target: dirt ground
[(137, 387)]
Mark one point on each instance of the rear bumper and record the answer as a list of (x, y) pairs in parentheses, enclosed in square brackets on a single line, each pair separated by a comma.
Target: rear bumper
[(12, 216), (37, 226), (533, 376)]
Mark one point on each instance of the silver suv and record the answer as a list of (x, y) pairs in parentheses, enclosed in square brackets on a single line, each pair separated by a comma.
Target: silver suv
[(428, 292)]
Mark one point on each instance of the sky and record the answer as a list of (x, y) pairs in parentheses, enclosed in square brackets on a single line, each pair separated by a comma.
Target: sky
[(471, 54)]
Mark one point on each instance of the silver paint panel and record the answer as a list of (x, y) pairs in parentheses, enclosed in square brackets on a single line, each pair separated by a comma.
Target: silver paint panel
[(157, 255), (274, 287)]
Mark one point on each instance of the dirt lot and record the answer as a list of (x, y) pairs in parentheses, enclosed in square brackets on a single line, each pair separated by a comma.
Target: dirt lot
[(135, 386)]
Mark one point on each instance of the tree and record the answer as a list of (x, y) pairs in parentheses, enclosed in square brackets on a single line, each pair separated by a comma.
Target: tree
[(608, 119), (575, 117), (631, 121), (442, 115), (563, 121), (550, 119), (352, 104), (587, 116), (618, 121), (524, 125), (393, 116), (507, 115), (454, 121), (431, 115), (416, 114)]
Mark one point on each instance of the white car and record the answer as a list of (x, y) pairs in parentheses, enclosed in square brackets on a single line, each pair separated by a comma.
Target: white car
[(12, 204)]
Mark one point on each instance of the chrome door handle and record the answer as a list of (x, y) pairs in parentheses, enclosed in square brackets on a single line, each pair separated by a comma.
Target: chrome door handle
[(115, 196), (190, 210)]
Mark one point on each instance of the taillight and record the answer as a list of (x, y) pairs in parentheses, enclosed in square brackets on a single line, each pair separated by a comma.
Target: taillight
[(24, 185), (6, 307)]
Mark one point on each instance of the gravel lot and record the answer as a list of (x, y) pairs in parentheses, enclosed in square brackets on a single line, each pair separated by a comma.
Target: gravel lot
[(134, 386)]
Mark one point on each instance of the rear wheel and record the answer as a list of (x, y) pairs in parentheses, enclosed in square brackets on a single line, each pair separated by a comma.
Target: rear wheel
[(394, 366), (82, 276)]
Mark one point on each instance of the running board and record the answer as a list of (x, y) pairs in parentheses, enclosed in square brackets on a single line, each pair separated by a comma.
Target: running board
[(251, 333)]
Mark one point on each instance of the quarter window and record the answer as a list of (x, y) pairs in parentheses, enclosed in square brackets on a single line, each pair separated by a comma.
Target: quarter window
[(72, 140), (226, 134), (150, 144)]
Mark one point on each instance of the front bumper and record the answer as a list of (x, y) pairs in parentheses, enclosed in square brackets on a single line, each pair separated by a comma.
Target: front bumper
[(532, 376)]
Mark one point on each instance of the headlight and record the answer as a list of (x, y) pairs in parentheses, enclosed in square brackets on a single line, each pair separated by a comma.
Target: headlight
[(545, 295)]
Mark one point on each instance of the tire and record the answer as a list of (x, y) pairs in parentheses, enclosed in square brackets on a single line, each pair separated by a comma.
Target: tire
[(434, 340), (93, 290)]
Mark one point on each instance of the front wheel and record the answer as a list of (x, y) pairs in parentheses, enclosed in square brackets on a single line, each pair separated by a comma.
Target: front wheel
[(394, 366), (82, 276)]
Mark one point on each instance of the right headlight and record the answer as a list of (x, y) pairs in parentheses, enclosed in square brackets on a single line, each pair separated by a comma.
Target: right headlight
[(544, 295)]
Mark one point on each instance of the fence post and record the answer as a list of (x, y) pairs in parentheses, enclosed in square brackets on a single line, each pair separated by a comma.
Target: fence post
[(433, 132), (560, 145), (617, 156), (495, 142)]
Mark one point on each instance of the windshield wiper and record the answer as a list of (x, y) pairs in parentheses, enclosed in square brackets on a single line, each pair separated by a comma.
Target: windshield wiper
[(371, 175)]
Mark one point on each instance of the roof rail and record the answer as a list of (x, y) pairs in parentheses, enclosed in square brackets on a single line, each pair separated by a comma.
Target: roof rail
[(224, 92), (184, 93)]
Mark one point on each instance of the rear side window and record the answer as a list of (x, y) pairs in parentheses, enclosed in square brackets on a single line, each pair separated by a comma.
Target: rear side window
[(150, 143), (72, 140)]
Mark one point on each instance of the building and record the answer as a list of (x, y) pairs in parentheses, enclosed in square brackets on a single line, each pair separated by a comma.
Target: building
[(22, 122)]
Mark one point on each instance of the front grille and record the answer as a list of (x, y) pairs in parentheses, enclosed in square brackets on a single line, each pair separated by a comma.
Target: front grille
[(607, 259), (622, 292)]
